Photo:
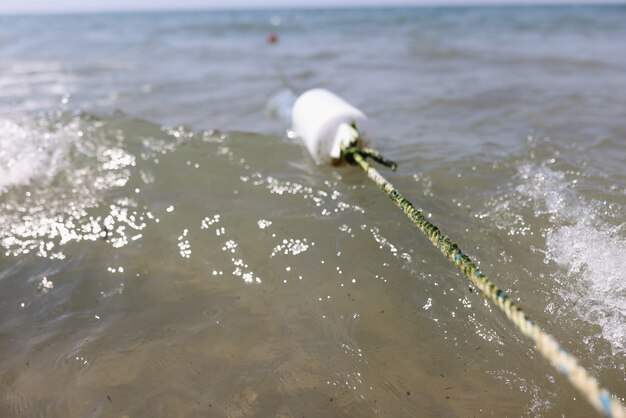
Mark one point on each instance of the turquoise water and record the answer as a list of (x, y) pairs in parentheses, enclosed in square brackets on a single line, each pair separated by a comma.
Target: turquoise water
[(168, 250)]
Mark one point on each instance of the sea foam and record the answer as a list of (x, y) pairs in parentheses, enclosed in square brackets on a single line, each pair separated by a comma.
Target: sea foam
[(27, 153), (589, 251)]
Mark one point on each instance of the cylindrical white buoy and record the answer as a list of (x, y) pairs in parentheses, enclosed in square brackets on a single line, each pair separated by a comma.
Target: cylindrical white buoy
[(324, 121)]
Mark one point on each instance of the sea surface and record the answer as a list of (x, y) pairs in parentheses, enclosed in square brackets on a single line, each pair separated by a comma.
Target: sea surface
[(169, 249)]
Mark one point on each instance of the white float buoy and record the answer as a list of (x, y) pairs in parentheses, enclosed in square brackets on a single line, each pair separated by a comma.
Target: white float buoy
[(325, 122)]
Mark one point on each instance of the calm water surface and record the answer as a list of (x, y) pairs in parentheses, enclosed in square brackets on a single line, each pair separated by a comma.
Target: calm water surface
[(168, 251)]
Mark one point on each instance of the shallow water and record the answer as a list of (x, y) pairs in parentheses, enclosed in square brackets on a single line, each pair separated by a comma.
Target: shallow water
[(169, 251)]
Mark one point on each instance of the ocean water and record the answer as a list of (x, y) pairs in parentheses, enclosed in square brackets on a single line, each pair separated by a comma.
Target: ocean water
[(169, 250)]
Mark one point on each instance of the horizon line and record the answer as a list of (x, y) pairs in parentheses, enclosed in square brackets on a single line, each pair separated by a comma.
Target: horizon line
[(452, 4)]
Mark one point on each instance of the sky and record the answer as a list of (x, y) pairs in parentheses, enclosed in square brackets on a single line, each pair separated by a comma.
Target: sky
[(62, 6)]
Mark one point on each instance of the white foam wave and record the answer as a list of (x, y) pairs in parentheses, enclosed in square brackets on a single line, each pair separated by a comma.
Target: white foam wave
[(590, 250), (27, 153), (52, 170)]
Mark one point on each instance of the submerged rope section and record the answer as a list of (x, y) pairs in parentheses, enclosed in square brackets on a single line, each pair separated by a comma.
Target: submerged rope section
[(546, 344)]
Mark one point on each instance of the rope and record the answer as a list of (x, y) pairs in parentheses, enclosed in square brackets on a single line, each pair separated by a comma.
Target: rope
[(545, 343)]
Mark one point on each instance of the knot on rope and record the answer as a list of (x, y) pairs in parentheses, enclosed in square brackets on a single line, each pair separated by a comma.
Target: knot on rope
[(349, 153)]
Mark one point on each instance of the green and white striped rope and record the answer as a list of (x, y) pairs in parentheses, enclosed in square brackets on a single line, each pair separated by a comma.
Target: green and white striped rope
[(546, 344)]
